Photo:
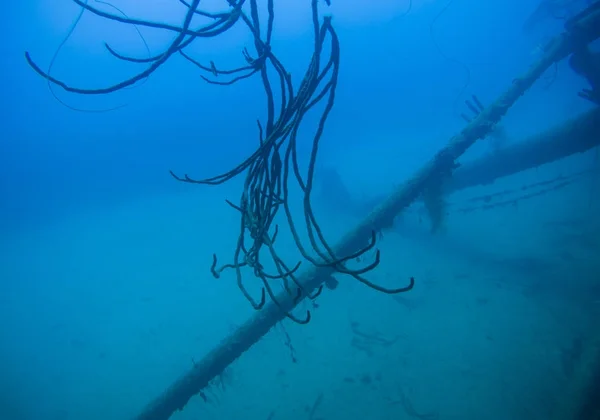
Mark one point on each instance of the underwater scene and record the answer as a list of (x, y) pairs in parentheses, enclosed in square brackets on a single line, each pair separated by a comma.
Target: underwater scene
[(300, 210)]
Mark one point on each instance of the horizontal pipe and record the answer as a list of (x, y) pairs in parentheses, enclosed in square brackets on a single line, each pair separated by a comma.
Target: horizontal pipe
[(577, 135)]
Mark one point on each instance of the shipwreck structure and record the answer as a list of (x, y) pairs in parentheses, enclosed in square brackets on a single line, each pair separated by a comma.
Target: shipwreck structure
[(270, 169)]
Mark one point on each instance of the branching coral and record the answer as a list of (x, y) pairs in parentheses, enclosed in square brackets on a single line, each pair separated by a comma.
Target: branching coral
[(268, 169)]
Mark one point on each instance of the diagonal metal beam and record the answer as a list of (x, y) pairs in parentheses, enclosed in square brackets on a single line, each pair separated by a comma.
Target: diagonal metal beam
[(176, 396)]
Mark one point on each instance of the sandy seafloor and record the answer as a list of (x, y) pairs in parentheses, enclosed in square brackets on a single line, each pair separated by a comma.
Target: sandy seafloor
[(104, 309)]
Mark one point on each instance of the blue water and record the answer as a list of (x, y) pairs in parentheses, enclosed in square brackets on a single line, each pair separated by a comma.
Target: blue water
[(106, 296)]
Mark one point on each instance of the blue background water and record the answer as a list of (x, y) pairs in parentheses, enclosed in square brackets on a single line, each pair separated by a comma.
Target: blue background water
[(105, 290)]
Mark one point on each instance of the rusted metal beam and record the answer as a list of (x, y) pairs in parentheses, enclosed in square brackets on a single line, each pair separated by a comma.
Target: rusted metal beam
[(577, 135)]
